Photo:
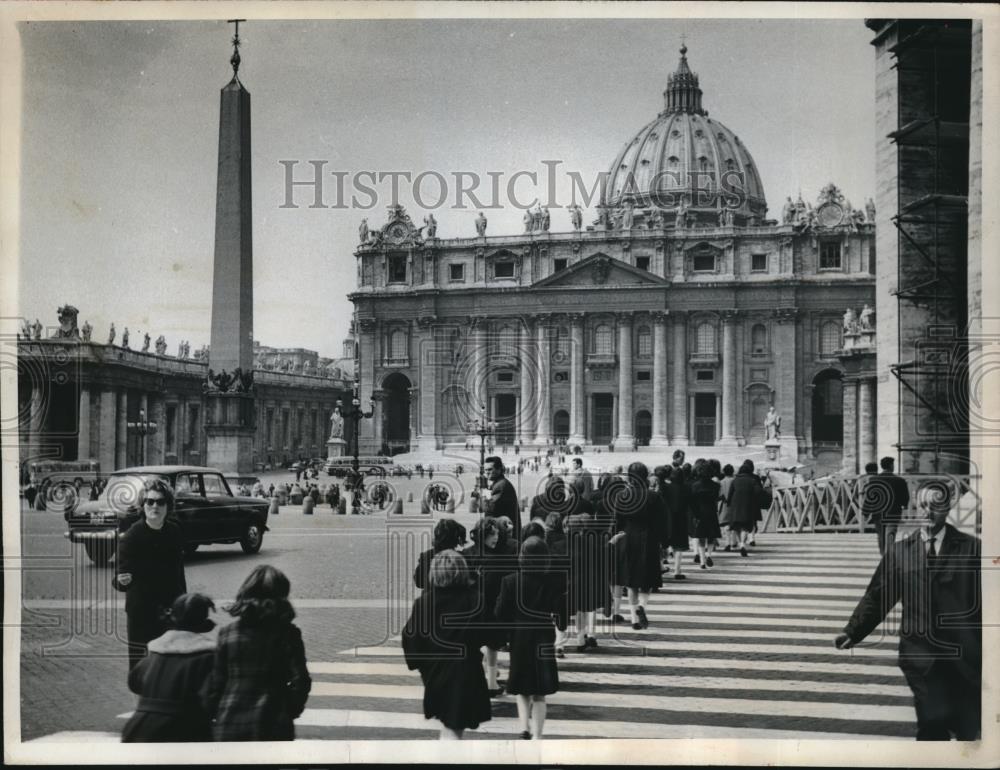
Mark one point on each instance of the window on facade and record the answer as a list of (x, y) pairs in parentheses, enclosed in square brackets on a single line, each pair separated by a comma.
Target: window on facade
[(504, 270), (829, 338), (642, 263), (397, 270), (705, 375), (562, 342), (758, 263), (397, 344), (456, 272), (603, 341), (171, 428), (829, 256), (642, 376), (704, 263), (559, 264), (507, 340), (705, 340), (645, 340), (758, 339), (560, 376), (505, 376)]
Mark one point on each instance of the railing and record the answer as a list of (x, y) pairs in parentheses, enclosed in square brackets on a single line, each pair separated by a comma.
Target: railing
[(834, 504)]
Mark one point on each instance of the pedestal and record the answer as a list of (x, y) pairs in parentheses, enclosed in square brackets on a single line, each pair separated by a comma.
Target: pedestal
[(230, 428), (773, 449), (335, 448)]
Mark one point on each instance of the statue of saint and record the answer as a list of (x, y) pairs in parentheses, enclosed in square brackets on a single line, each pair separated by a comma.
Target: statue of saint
[(788, 211), (865, 321), (529, 220), (850, 322), (145, 343), (772, 425), (546, 219), (36, 330), (363, 231), (576, 216), (86, 331), (870, 210), (336, 424), (125, 338), (67, 323), (481, 225), (432, 226), (161, 345), (680, 219), (627, 216), (111, 334)]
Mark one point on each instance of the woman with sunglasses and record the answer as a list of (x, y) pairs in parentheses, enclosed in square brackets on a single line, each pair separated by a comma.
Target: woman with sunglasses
[(150, 569)]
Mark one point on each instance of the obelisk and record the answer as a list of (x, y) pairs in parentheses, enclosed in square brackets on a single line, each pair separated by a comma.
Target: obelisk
[(230, 414)]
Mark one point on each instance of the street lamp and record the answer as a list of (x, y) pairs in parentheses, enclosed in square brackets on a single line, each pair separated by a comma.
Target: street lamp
[(142, 428), (483, 428), (356, 414)]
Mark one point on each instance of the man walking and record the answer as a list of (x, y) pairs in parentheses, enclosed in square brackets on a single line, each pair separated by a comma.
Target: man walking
[(583, 481), (888, 496), (935, 573), (502, 500)]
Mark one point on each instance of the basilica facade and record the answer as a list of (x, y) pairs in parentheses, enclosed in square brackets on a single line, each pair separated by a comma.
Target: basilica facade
[(679, 317)]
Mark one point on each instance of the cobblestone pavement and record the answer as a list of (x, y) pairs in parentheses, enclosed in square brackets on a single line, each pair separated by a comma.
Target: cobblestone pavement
[(744, 647)]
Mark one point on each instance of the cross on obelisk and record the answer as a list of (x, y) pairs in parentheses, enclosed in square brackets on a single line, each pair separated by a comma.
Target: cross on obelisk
[(230, 394)]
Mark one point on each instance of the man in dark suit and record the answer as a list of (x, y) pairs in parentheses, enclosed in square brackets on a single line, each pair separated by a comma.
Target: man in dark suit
[(502, 499), (935, 572), (886, 497)]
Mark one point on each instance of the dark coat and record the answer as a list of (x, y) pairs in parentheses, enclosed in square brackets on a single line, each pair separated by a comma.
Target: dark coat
[(948, 626), (886, 496), (171, 682), (528, 602), (421, 573), (747, 497), (441, 639), (704, 504), (558, 545), (259, 682), (676, 493), (490, 565), (589, 576), (503, 502), (641, 515), (155, 559)]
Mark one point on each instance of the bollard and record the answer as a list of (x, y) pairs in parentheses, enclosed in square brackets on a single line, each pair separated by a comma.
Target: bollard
[(396, 507), (449, 507), (307, 505), (409, 497), (473, 505), (273, 509), (524, 503), (424, 506), (342, 507)]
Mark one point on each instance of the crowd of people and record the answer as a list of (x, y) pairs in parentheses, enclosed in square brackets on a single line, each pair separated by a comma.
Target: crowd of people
[(247, 684), (584, 549)]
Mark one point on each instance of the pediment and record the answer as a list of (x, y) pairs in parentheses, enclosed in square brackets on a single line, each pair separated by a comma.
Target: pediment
[(601, 270)]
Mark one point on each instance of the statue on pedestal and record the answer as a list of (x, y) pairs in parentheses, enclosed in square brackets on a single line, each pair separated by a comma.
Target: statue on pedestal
[(67, 323), (772, 425), (870, 210), (627, 216), (111, 334), (125, 338), (363, 231), (865, 320), (546, 219), (161, 345), (850, 322), (788, 211), (336, 424), (481, 225), (576, 216), (86, 331), (36, 329), (432, 226), (145, 343)]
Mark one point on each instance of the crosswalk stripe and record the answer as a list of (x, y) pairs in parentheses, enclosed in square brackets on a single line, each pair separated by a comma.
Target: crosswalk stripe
[(737, 681), (507, 728), (610, 700)]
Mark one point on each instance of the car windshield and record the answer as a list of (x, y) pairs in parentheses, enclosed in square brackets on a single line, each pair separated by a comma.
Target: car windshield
[(124, 490)]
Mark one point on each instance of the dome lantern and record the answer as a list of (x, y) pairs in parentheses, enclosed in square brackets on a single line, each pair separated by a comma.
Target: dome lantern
[(683, 93)]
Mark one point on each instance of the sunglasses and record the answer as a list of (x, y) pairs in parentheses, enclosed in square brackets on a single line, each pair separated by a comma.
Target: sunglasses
[(155, 501)]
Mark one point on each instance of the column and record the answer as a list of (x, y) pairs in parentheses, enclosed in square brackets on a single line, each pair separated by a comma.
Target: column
[(680, 410), (543, 419), (850, 453), (625, 411), (577, 431), (730, 370), (121, 429), (106, 429), (83, 440), (36, 423), (659, 437), (377, 417), (477, 387), (425, 401), (866, 422), (527, 411), (143, 442)]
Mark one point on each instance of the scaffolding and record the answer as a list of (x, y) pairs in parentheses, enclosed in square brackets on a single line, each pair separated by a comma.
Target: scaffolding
[(932, 59)]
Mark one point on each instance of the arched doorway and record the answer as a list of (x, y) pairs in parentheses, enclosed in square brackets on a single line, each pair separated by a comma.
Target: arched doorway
[(396, 414), (643, 427), (828, 409), (560, 425)]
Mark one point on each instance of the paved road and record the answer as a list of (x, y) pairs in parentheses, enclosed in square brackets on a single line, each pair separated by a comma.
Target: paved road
[(742, 650)]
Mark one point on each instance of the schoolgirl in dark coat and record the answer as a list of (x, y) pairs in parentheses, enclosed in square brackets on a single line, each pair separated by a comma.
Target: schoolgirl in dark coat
[(448, 533), (704, 504), (171, 679), (746, 498), (442, 639), (529, 601), (259, 681), (587, 590), (604, 518)]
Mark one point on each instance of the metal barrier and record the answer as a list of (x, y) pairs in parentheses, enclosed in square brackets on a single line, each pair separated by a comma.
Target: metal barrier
[(834, 503)]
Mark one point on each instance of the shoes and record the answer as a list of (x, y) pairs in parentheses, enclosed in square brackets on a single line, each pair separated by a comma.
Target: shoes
[(655, 590), (525, 735), (643, 620), (680, 576), (560, 653), (617, 619), (582, 647), (709, 562), (697, 559), (637, 626), (743, 551), (497, 692), (589, 641), (704, 566), (752, 541)]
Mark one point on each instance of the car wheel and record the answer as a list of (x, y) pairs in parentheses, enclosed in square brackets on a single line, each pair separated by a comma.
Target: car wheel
[(254, 537), (99, 551)]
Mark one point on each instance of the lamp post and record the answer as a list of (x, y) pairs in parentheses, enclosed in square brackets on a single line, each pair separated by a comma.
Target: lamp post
[(357, 415), (483, 428), (142, 428)]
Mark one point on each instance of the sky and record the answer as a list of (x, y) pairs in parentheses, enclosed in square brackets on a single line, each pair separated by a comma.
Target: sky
[(120, 142)]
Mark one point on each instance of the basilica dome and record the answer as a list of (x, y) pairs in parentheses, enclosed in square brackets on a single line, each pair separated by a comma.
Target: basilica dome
[(686, 160)]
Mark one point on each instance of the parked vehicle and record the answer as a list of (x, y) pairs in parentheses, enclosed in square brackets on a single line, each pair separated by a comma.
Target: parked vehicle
[(373, 465), (57, 481), (205, 508)]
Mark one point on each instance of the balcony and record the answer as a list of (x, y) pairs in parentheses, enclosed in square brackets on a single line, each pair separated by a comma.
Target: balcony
[(396, 363), (597, 360)]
